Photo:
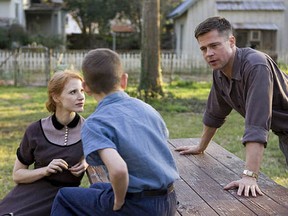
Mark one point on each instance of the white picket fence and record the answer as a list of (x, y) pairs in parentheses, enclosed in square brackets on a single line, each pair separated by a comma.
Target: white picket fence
[(33, 67), (170, 62)]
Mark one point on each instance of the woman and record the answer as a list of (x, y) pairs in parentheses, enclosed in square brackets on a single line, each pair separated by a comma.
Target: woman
[(53, 144)]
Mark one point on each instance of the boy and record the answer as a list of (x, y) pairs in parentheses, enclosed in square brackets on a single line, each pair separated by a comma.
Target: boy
[(129, 137)]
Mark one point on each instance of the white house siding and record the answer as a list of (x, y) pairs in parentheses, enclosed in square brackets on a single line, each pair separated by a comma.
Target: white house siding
[(276, 17), (181, 30), (9, 14), (197, 13), (283, 39), (71, 26), (58, 22), (202, 9)]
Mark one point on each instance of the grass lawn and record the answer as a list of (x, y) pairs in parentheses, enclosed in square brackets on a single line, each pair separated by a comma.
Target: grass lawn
[(181, 109)]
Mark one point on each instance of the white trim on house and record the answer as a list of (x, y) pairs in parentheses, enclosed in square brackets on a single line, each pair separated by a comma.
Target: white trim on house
[(260, 26)]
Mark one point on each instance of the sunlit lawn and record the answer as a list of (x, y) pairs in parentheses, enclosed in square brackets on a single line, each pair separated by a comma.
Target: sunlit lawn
[(181, 109)]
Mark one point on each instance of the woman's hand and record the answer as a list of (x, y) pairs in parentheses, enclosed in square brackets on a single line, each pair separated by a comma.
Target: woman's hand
[(79, 168), (56, 165)]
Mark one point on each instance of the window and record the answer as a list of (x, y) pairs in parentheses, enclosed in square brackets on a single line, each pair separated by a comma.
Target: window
[(17, 12), (255, 35), (181, 36)]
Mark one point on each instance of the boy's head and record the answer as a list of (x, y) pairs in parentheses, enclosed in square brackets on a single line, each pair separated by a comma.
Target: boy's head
[(102, 70), (219, 24)]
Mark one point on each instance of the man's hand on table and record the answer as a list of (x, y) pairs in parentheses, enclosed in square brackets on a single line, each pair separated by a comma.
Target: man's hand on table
[(246, 186), (195, 149)]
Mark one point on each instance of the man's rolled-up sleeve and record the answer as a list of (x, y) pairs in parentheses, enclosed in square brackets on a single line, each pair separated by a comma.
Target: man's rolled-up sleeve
[(259, 94), (217, 109)]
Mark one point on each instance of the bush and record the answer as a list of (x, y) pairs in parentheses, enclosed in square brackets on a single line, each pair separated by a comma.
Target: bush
[(50, 42), (4, 38), (17, 36)]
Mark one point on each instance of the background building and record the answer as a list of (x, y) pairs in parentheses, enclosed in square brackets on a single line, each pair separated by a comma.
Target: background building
[(260, 24)]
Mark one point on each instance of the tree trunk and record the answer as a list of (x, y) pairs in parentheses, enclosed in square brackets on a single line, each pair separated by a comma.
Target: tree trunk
[(151, 78)]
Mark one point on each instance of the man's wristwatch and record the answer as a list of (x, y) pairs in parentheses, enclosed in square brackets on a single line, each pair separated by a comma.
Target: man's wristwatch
[(250, 174)]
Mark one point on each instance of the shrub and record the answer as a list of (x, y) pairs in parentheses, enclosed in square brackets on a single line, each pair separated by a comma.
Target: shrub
[(50, 42), (4, 38), (17, 36)]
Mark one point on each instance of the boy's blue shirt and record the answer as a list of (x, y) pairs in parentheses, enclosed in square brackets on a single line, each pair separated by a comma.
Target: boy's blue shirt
[(139, 134)]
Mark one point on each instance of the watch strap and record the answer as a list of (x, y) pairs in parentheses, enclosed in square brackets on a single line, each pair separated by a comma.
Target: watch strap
[(250, 174)]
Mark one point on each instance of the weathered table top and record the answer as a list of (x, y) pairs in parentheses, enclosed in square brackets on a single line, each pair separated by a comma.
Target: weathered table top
[(202, 178), (200, 189)]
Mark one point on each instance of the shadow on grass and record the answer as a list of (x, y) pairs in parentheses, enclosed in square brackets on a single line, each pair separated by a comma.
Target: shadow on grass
[(174, 104)]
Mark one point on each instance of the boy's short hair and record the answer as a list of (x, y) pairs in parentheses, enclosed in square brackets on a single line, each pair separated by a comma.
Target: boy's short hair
[(102, 70), (220, 24)]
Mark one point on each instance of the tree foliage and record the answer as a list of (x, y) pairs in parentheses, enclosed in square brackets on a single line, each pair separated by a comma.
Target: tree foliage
[(145, 14), (92, 15)]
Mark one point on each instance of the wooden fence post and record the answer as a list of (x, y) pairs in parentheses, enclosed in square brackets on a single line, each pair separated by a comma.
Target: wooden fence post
[(15, 66)]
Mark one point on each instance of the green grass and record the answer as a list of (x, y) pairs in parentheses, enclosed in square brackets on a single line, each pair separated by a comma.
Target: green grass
[(182, 110)]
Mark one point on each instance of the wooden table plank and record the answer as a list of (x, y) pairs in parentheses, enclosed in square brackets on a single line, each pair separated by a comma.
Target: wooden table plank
[(219, 201), (189, 201), (200, 188), (236, 165), (97, 174), (215, 169)]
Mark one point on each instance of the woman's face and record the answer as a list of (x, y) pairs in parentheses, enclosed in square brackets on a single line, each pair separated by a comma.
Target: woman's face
[(72, 97)]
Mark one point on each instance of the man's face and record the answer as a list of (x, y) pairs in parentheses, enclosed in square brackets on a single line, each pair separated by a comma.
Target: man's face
[(217, 49)]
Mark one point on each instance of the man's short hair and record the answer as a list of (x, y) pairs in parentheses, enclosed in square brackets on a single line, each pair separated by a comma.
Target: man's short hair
[(220, 24)]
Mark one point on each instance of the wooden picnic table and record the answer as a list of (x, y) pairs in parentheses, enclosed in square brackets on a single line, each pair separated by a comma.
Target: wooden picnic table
[(202, 178)]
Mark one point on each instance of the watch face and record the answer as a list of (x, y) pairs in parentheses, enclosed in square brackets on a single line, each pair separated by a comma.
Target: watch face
[(250, 173)]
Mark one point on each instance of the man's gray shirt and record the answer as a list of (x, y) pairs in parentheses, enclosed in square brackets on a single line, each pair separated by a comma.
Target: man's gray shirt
[(258, 90)]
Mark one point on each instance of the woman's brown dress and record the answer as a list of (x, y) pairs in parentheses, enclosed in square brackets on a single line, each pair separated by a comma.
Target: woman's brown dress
[(44, 141)]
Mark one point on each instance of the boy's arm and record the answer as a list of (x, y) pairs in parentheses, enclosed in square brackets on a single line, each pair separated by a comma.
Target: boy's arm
[(118, 175)]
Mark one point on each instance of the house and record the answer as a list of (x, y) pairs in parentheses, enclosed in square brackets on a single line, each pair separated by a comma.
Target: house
[(71, 26), (261, 24), (11, 12), (46, 18)]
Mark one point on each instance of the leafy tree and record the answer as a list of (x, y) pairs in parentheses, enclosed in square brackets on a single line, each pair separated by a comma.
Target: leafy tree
[(94, 15), (89, 13)]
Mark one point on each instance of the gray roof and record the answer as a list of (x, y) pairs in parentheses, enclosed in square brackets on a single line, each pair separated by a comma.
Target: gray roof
[(231, 5), (256, 26), (182, 8), (250, 5)]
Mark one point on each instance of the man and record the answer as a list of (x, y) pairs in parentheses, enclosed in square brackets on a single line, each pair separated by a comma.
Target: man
[(249, 82)]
